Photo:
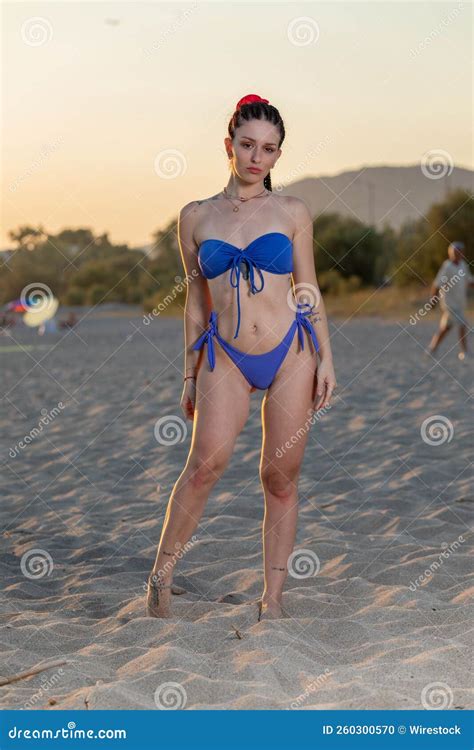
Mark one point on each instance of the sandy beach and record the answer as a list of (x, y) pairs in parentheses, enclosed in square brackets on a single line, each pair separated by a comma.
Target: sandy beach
[(385, 506)]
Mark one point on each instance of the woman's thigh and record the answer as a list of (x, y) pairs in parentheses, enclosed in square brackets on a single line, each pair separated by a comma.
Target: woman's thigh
[(221, 409), (287, 410)]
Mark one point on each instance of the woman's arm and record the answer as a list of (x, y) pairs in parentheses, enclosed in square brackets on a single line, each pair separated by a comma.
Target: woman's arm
[(307, 290), (304, 275), (198, 302)]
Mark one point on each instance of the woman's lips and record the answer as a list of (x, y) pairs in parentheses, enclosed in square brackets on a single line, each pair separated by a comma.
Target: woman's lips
[(254, 169)]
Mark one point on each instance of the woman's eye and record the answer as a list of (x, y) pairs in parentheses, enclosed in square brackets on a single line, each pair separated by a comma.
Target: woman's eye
[(268, 149)]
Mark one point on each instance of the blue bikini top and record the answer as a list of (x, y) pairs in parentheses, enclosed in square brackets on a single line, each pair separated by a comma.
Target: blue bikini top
[(272, 251)]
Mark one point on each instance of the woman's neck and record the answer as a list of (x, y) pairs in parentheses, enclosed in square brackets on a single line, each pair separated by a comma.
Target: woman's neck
[(238, 189)]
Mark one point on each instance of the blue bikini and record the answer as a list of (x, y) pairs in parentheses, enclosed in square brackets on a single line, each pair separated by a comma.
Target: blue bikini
[(272, 252)]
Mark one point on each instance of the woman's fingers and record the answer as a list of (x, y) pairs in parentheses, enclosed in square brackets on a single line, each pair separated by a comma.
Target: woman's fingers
[(324, 394), (320, 393)]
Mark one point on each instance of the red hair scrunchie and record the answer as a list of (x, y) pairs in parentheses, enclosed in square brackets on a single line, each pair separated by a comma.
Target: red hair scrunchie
[(250, 99)]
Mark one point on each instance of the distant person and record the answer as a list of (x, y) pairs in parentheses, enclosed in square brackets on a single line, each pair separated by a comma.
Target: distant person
[(48, 326), (69, 322), (451, 285)]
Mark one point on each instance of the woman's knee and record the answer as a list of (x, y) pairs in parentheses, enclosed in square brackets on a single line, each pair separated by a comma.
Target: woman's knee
[(281, 482), (205, 471)]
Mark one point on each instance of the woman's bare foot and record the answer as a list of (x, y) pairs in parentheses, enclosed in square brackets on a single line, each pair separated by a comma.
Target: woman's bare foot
[(269, 610), (158, 597)]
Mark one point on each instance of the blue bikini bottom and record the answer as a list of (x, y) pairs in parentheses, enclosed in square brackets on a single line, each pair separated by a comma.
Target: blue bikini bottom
[(259, 369)]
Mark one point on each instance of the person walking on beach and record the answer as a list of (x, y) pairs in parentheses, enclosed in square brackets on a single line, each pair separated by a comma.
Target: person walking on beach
[(450, 285), (242, 249)]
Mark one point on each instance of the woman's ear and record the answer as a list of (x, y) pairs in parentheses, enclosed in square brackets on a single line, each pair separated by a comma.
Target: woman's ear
[(228, 147)]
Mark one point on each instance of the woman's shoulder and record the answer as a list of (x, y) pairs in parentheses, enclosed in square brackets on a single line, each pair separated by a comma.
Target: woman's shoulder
[(295, 207), (199, 205)]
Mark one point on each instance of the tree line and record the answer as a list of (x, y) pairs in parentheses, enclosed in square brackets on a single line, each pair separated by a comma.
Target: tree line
[(81, 268)]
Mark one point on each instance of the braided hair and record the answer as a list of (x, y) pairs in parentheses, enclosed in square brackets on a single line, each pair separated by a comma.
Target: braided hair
[(253, 107)]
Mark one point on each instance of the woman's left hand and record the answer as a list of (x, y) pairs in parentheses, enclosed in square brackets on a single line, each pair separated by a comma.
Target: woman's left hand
[(324, 384)]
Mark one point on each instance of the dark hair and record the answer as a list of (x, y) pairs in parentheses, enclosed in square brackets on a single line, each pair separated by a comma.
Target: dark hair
[(258, 111)]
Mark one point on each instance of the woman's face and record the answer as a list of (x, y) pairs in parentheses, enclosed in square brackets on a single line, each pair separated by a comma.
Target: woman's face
[(254, 149)]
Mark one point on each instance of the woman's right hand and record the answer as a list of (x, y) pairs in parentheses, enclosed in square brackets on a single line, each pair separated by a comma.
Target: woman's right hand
[(188, 398)]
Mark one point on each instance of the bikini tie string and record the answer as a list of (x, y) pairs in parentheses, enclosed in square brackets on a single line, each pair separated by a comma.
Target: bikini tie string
[(237, 261), (208, 338), (303, 322)]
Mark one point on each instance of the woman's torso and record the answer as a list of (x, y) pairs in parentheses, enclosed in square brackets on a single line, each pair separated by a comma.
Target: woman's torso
[(264, 316)]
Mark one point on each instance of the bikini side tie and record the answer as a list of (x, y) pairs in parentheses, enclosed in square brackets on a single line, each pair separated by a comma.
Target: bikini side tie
[(237, 262), (303, 322), (208, 337)]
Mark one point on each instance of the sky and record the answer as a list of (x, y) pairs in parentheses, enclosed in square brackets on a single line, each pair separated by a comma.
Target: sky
[(114, 114)]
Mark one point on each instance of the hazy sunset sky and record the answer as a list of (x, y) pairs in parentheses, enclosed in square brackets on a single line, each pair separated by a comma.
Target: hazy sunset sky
[(95, 95)]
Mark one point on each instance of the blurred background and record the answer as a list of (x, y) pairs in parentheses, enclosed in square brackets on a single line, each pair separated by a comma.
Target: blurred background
[(114, 116)]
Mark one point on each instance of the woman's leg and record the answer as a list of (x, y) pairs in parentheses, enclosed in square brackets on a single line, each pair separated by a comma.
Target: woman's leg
[(221, 410), (286, 414)]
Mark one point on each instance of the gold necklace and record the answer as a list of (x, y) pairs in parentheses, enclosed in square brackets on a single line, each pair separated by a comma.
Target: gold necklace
[(242, 200)]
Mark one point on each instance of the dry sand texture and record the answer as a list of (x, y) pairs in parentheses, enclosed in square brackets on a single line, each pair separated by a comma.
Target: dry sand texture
[(382, 619)]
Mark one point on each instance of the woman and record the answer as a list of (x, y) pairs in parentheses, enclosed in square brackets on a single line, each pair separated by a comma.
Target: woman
[(234, 245)]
